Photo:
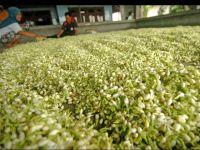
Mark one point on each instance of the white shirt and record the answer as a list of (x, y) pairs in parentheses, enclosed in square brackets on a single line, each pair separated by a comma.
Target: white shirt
[(130, 17), (15, 27)]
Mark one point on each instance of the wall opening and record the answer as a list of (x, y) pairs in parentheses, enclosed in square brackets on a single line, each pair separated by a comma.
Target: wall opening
[(37, 17), (84, 15)]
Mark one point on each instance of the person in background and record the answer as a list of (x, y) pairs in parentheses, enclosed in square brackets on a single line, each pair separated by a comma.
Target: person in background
[(69, 27), (130, 16), (10, 30)]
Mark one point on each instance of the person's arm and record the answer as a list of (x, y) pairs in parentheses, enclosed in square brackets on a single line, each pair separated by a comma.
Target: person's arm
[(60, 33), (17, 29), (30, 34), (61, 30)]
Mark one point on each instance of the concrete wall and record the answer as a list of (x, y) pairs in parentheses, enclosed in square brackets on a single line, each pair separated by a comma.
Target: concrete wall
[(54, 17), (108, 12), (123, 12), (139, 11), (61, 9), (191, 17)]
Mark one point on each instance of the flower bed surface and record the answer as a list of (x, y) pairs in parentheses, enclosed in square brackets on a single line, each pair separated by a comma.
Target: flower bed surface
[(126, 89)]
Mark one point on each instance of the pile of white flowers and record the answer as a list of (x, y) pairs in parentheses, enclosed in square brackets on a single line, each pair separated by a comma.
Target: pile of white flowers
[(137, 89)]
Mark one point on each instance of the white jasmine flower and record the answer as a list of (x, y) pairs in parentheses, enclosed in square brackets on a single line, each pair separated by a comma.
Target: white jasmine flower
[(133, 130), (177, 127), (126, 101), (54, 132), (141, 105), (182, 118)]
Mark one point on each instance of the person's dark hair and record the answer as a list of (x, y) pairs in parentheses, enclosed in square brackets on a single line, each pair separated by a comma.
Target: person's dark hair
[(68, 14), (129, 13)]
